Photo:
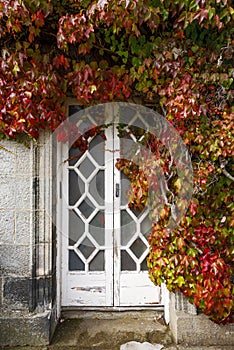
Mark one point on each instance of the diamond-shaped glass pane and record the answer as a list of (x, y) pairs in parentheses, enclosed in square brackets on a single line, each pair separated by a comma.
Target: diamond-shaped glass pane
[(128, 227), (137, 212), (97, 187), (76, 227), (86, 207), (146, 226), (127, 263), (75, 263), (98, 262), (86, 167), (86, 247), (76, 187), (97, 227), (138, 247), (74, 155), (97, 148)]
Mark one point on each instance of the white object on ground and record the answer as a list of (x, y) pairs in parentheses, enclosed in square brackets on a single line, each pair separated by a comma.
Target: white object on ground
[(133, 345)]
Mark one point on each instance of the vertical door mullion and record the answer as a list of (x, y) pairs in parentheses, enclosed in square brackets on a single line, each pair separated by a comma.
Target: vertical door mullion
[(63, 192), (117, 226), (109, 218)]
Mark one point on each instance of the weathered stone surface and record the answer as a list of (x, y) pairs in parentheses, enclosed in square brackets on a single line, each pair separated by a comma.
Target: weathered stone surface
[(198, 330), (103, 332), (7, 159), (23, 193), (216, 347), (55, 347), (7, 190), (23, 222), (15, 193), (44, 252), (25, 329), (17, 292), (25, 245), (1, 291), (15, 259), (7, 227), (23, 161)]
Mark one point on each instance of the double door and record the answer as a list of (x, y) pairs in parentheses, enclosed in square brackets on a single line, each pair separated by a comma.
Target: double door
[(104, 242)]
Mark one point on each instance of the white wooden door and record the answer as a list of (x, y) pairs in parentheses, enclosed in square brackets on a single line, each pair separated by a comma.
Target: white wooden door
[(104, 242)]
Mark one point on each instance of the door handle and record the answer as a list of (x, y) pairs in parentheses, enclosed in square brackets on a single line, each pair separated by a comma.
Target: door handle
[(116, 190)]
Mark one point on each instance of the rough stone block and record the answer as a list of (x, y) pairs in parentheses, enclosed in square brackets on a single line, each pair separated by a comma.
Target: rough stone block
[(7, 190), (7, 227), (23, 193), (17, 292), (198, 330), (7, 158), (15, 259), (21, 330), (15, 193), (23, 161), (23, 226)]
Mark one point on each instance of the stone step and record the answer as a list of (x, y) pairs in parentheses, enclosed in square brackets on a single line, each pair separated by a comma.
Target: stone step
[(108, 331), (166, 347), (111, 330)]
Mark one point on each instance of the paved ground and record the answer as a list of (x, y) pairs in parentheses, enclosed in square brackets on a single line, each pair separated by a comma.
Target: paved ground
[(110, 331)]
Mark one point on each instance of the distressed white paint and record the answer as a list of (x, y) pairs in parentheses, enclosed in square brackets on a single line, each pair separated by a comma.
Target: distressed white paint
[(112, 287), (137, 290)]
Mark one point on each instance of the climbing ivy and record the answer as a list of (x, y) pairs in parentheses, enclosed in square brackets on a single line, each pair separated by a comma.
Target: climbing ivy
[(177, 57)]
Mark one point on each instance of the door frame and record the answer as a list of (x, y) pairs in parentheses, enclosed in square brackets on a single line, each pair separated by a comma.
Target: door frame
[(60, 184)]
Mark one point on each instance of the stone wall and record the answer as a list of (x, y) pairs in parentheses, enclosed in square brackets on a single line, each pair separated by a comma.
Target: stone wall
[(191, 328), (26, 271)]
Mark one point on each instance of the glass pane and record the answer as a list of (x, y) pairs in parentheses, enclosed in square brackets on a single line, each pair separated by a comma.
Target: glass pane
[(137, 212), (97, 188), (144, 265), (76, 187), (98, 262), (86, 168), (74, 155), (146, 226), (75, 263), (86, 247), (97, 148), (127, 263), (138, 248), (125, 186), (128, 227), (97, 227), (76, 227), (86, 207)]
